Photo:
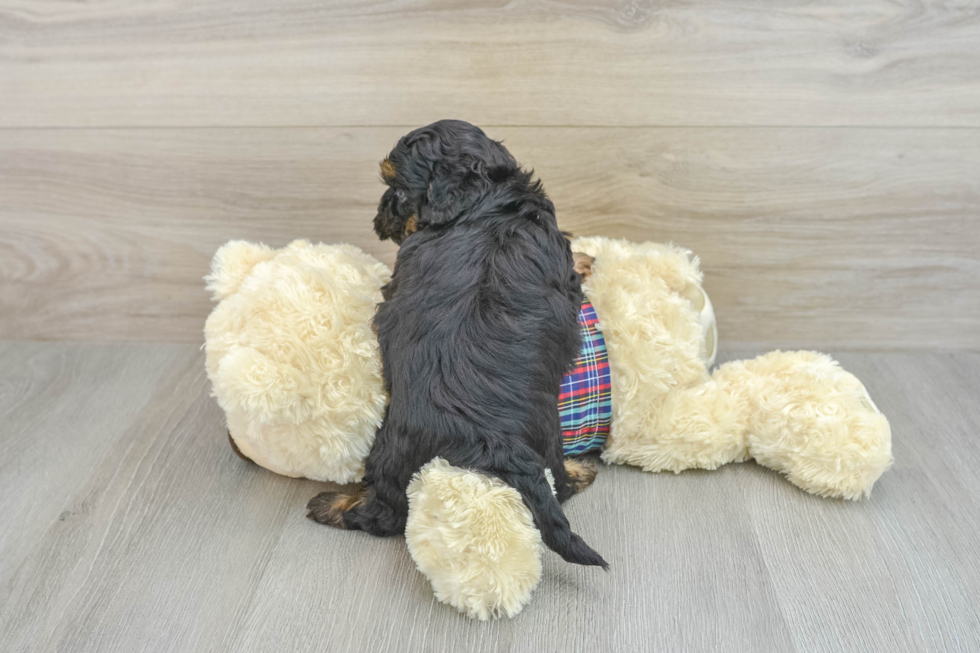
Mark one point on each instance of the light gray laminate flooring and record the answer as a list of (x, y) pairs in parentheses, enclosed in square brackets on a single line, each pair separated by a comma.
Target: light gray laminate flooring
[(128, 524)]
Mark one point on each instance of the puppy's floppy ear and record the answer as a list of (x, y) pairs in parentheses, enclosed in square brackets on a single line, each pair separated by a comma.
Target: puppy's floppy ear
[(455, 188)]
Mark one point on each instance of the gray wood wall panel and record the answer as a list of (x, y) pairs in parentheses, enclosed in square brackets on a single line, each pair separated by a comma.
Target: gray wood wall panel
[(832, 238), (570, 62)]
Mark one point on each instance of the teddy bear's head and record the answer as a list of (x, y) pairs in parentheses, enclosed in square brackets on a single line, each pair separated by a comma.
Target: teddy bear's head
[(292, 358)]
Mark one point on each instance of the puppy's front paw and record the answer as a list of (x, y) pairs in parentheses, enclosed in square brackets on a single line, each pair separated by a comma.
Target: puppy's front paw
[(581, 472), (329, 507)]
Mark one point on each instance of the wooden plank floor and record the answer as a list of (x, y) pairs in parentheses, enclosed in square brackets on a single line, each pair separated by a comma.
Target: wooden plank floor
[(130, 525)]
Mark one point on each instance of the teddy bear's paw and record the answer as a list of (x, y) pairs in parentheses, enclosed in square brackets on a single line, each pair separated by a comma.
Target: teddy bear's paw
[(815, 422), (474, 539), (581, 472), (238, 452)]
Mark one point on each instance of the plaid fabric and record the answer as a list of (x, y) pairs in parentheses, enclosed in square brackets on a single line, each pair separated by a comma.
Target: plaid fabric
[(585, 402)]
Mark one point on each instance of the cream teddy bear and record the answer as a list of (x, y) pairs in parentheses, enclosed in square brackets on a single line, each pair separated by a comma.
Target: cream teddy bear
[(292, 358), (295, 365)]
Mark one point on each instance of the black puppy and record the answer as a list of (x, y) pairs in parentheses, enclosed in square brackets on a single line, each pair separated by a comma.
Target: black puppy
[(478, 326)]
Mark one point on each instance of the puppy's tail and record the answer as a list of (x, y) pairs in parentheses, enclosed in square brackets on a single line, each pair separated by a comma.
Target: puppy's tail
[(551, 521)]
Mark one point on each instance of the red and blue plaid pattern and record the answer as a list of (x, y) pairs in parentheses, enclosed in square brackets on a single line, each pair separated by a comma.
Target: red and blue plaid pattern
[(585, 401)]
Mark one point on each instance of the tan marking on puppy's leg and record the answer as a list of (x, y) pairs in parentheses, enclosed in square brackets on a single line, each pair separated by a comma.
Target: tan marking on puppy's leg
[(583, 264), (410, 226), (387, 170), (329, 507), (581, 472)]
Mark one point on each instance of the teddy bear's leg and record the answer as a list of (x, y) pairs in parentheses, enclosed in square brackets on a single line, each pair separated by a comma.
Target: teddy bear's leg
[(246, 438), (238, 452), (810, 420), (474, 539), (695, 427), (660, 335)]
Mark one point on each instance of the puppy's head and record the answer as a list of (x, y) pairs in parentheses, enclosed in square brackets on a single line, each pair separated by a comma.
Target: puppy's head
[(436, 174)]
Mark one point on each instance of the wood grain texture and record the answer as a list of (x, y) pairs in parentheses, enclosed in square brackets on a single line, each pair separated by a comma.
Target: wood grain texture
[(170, 542), (908, 554), (49, 445), (565, 62), (839, 238)]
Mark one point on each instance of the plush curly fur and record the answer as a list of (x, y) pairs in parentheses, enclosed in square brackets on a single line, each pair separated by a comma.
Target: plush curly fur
[(478, 327), (798, 413), (803, 416), (474, 539), (292, 358)]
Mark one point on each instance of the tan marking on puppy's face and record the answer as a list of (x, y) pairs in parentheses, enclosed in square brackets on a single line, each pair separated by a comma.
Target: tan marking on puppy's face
[(387, 170), (410, 226)]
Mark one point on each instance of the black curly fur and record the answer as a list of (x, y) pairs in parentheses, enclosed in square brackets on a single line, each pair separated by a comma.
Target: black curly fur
[(477, 330)]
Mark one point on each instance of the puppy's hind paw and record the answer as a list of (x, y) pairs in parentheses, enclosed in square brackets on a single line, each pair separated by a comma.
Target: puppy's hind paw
[(581, 472), (329, 507)]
